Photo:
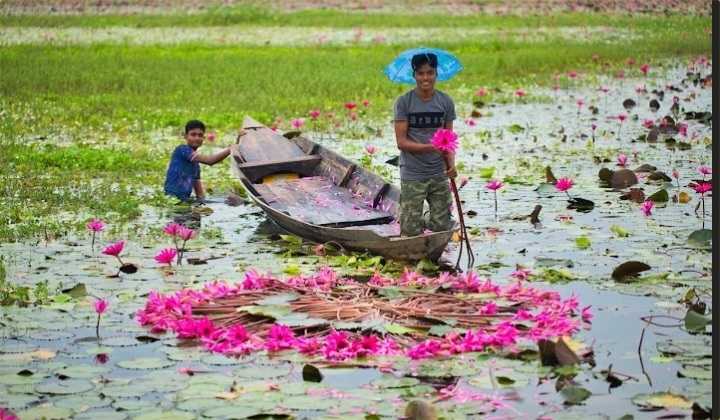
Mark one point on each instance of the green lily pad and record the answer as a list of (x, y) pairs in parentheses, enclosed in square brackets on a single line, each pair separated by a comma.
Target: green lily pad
[(661, 399), (143, 363), (45, 413), (82, 371), (66, 387), (574, 394), (165, 415)]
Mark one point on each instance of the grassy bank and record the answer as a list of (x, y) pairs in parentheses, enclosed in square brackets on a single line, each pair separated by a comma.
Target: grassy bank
[(87, 126)]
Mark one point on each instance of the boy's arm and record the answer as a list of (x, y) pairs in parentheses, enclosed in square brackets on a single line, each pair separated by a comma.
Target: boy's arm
[(199, 193), (217, 157)]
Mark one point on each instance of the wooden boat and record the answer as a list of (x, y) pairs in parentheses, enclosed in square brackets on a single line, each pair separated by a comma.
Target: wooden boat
[(316, 194)]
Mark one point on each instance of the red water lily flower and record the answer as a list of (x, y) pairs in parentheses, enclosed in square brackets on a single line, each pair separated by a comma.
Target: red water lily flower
[(166, 256), (445, 140), (114, 249), (646, 207)]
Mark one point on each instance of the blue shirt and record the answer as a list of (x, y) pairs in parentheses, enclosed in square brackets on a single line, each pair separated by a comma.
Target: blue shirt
[(181, 173)]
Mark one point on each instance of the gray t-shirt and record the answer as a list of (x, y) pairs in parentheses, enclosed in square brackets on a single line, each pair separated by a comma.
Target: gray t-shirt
[(424, 119)]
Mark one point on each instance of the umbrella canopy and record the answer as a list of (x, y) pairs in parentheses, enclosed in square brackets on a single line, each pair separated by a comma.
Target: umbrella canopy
[(401, 71)]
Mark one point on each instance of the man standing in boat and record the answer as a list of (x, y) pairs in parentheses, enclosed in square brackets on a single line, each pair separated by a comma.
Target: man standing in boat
[(424, 171)]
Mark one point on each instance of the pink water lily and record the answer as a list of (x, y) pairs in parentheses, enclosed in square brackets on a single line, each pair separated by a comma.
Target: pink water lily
[(166, 256), (350, 106), (622, 160), (7, 415), (370, 149), (186, 233), (297, 123), (95, 226), (172, 229), (314, 113), (481, 92), (646, 207), (705, 170), (494, 185), (211, 137), (114, 249), (445, 140), (564, 184), (101, 306)]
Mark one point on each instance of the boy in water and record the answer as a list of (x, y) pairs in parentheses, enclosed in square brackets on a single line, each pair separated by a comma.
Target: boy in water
[(183, 172)]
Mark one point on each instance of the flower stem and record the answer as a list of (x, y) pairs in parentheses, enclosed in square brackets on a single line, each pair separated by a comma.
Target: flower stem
[(97, 327)]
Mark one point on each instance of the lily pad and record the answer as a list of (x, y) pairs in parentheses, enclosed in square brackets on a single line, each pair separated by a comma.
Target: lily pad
[(144, 363), (66, 387), (661, 399), (45, 413)]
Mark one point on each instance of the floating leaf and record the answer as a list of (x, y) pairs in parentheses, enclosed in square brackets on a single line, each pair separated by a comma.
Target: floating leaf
[(270, 311), (516, 128), (701, 238), (311, 374), (661, 196), (629, 269), (143, 363), (77, 291), (696, 322), (582, 242), (620, 231), (65, 387), (662, 400), (684, 197), (278, 299), (295, 240), (574, 394)]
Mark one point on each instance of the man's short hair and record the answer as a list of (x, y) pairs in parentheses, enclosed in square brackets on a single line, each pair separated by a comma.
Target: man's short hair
[(419, 60)]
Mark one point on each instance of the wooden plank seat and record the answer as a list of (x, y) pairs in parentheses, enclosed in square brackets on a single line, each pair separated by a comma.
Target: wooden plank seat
[(318, 201), (302, 165)]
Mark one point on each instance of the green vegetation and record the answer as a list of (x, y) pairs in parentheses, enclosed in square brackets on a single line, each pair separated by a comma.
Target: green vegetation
[(87, 127)]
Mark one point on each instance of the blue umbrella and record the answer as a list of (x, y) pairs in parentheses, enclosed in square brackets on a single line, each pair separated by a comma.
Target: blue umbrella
[(400, 70)]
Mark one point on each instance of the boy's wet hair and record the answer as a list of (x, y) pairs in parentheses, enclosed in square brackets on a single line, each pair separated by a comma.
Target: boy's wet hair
[(193, 124), (419, 60)]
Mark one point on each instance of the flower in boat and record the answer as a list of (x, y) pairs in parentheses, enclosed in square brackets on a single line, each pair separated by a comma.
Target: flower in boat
[(494, 185), (186, 233), (166, 256), (314, 113), (647, 207), (445, 140), (564, 184), (96, 226), (172, 229), (370, 149), (114, 249), (101, 306)]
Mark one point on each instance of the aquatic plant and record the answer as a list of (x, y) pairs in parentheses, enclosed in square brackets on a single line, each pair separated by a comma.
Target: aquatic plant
[(564, 184), (100, 306), (95, 226), (494, 185), (114, 250)]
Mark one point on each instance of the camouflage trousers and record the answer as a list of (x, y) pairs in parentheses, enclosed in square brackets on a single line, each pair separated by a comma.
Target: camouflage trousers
[(414, 194)]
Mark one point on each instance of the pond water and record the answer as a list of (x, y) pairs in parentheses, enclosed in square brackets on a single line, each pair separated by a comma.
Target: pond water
[(53, 365)]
